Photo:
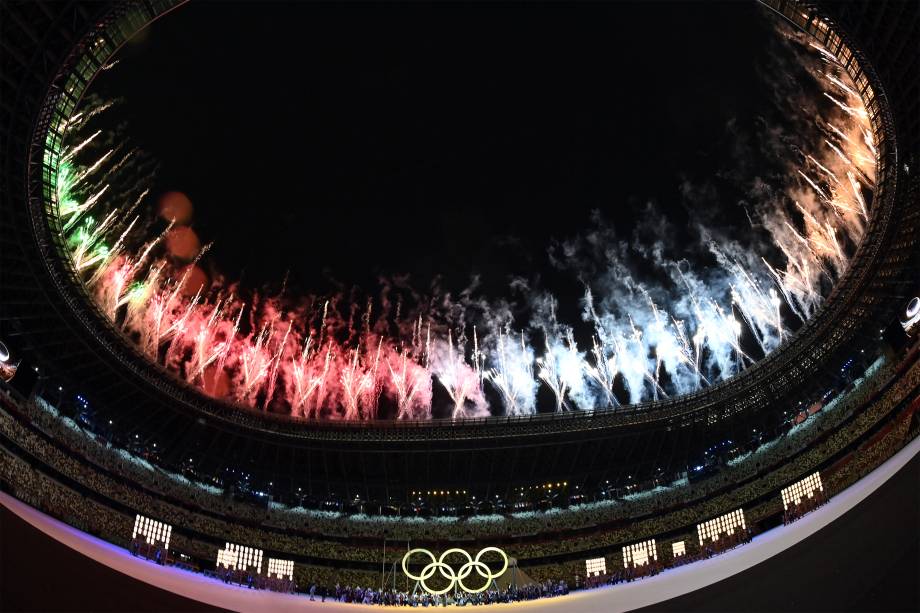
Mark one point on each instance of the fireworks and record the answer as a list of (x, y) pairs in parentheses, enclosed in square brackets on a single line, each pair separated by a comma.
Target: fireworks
[(310, 358)]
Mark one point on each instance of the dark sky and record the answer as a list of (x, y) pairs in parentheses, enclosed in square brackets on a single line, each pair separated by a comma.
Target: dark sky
[(341, 141)]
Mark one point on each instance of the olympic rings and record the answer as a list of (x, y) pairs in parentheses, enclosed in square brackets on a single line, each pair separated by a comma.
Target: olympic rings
[(455, 578)]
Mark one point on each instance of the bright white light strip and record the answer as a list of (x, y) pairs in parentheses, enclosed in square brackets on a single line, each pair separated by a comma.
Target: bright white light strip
[(640, 554), (239, 557), (225, 558), (152, 530), (281, 568), (596, 567), (911, 314), (724, 524), (678, 548), (805, 488)]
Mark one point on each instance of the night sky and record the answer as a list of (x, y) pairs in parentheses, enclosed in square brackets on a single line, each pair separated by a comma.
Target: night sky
[(339, 142)]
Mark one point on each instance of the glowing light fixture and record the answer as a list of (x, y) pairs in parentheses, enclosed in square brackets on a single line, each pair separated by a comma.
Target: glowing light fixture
[(724, 524), (281, 568), (152, 530), (805, 488), (640, 554), (678, 548), (596, 567)]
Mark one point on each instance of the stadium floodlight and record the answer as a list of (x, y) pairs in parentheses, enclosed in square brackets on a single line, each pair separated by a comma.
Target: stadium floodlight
[(595, 567), (724, 524), (152, 530)]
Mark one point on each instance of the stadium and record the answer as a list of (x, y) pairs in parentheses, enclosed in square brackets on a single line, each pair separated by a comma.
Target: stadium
[(594, 508)]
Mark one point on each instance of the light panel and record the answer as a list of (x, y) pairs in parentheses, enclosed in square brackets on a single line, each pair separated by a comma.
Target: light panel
[(805, 488), (596, 567), (678, 548), (724, 524), (282, 569), (240, 557), (152, 530), (640, 554)]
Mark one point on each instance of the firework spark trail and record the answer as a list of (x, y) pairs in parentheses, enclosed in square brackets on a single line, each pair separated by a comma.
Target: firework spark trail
[(74, 151), (74, 212), (854, 111), (85, 240), (512, 375), (641, 347), (479, 358), (814, 186), (642, 365), (870, 145), (375, 384), (776, 303), (82, 176), (180, 326), (827, 171), (550, 371), (255, 360), (302, 383), (305, 382), (206, 347), (275, 363), (359, 384), (412, 384), (827, 54), (690, 356), (356, 382), (462, 382), (603, 371), (849, 90), (857, 193), (666, 349)]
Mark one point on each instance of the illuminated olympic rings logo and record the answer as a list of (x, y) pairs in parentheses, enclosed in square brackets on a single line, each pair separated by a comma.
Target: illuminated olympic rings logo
[(438, 565)]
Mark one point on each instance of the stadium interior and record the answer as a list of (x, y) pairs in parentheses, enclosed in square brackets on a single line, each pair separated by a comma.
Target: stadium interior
[(760, 492)]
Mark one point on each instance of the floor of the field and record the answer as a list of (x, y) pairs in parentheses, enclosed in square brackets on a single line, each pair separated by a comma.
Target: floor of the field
[(665, 586)]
